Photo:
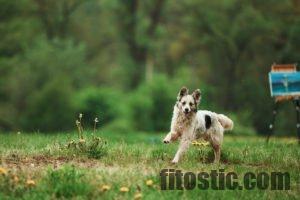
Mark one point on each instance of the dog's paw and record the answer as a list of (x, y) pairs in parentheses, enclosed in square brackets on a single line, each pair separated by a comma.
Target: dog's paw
[(216, 161), (174, 161), (167, 139)]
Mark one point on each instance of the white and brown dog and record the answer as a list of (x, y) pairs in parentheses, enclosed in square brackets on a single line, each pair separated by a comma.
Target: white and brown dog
[(190, 124)]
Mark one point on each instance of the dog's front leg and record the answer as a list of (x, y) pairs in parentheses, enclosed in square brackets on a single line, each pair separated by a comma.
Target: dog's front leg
[(168, 137), (172, 136), (183, 146)]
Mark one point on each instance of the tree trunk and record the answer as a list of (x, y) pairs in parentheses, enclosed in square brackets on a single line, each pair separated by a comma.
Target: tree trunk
[(149, 69)]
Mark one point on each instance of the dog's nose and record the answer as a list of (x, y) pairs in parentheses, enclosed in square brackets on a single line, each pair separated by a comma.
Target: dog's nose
[(186, 110)]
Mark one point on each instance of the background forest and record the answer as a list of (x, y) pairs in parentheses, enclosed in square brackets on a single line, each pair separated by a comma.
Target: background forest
[(124, 61)]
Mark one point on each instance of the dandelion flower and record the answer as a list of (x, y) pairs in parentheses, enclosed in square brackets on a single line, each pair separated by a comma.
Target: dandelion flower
[(149, 182), (18, 132), (77, 122), (96, 120), (138, 196), (104, 188), (80, 115), (15, 179), (204, 143), (30, 183), (200, 143), (3, 171), (81, 140), (124, 189)]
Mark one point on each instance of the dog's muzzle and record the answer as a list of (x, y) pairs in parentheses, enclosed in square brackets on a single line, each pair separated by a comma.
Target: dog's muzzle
[(186, 111)]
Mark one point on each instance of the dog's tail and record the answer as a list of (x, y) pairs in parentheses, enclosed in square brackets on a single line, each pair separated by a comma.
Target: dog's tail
[(225, 122)]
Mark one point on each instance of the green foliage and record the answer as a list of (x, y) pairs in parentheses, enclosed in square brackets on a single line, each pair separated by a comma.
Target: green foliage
[(241, 124), (225, 48), (104, 103), (152, 104), (123, 124), (40, 84), (140, 107), (130, 166), (67, 182), (92, 147), (45, 60), (15, 31), (12, 184), (87, 144), (50, 108)]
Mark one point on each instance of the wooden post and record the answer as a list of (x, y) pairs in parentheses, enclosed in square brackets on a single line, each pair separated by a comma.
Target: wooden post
[(297, 107), (284, 80), (271, 126)]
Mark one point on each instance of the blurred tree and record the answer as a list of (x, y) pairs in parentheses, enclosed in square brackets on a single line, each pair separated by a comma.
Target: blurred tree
[(101, 103), (56, 115), (55, 16), (224, 47), (35, 69), (15, 34), (138, 22), (236, 37)]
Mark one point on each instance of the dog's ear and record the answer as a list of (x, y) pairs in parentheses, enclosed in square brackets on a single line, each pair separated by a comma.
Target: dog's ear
[(197, 96), (183, 91)]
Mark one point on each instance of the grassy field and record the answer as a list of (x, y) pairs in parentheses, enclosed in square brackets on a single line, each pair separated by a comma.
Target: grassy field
[(38, 166)]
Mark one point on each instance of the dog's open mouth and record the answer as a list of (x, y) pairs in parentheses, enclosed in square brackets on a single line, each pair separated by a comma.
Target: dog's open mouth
[(186, 112)]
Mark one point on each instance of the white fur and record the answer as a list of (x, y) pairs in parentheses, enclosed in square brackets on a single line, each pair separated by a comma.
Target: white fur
[(191, 126)]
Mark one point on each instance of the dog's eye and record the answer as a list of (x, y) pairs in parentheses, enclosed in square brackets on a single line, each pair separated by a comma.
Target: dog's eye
[(191, 104), (183, 103)]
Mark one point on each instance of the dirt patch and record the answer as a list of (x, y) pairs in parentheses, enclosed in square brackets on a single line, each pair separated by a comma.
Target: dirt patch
[(35, 162)]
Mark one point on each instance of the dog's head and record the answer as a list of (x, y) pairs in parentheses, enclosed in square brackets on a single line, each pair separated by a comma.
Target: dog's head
[(188, 103)]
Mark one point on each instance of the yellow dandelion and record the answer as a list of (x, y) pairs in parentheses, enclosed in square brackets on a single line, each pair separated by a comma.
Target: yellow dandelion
[(104, 188), (30, 183), (124, 189), (205, 143), (200, 143), (138, 196), (81, 140), (3, 171), (149, 182), (15, 179)]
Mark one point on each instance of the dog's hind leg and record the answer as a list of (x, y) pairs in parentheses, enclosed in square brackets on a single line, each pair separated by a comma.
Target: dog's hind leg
[(216, 141), (217, 152), (183, 146)]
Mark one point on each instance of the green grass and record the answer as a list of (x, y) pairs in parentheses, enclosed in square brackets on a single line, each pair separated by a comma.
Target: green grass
[(131, 159)]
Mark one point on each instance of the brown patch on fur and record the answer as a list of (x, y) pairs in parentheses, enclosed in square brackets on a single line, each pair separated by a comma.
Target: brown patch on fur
[(197, 96), (183, 121), (175, 136), (183, 91)]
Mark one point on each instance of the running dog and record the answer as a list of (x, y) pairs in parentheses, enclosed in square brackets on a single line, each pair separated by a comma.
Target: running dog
[(189, 124)]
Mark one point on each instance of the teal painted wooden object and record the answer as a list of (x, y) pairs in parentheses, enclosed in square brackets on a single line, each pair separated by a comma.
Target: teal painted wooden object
[(284, 83)]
